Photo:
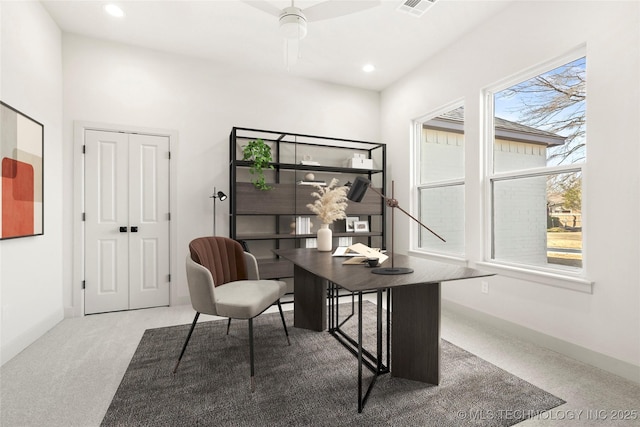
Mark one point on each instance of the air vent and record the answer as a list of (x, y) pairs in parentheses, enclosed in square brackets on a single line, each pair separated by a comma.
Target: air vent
[(415, 8)]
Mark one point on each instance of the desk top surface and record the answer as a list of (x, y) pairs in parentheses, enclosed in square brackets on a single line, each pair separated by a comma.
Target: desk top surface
[(356, 278)]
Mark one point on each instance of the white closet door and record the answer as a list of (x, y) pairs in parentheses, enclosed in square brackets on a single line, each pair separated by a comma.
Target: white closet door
[(106, 210), (149, 215), (126, 221)]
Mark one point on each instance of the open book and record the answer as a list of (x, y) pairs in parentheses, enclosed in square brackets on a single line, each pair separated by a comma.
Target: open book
[(358, 254)]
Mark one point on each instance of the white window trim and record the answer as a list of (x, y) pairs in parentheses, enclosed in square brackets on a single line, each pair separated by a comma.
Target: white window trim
[(459, 260), (556, 276), (416, 185), (551, 277)]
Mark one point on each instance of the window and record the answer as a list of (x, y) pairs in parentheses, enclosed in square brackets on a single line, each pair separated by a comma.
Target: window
[(440, 176), (535, 170)]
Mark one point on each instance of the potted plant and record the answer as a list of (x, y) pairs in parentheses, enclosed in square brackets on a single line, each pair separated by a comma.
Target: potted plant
[(260, 153)]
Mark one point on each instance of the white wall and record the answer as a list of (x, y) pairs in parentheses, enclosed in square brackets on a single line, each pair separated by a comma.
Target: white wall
[(605, 325), (202, 101), (31, 267)]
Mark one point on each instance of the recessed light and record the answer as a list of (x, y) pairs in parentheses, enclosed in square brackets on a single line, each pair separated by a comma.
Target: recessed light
[(114, 10), (368, 68)]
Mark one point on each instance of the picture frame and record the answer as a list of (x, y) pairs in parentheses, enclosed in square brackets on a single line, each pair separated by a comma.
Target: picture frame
[(22, 164), (349, 222), (361, 226)]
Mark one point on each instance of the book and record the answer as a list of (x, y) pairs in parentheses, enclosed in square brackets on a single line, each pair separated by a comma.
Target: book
[(358, 254), (307, 182), (303, 225), (345, 241), (309, 163), (344, 251)]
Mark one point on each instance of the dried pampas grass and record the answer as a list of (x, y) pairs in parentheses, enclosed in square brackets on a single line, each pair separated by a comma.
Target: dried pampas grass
[(331, 202)]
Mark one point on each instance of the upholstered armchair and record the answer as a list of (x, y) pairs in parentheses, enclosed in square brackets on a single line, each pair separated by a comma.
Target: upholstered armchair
[(224, 281)]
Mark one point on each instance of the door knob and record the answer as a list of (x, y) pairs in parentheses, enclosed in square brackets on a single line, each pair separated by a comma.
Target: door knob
[(123, 229), (134, 229)]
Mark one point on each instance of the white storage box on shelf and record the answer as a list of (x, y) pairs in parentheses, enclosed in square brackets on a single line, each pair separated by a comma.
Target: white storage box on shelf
[(359, 161)]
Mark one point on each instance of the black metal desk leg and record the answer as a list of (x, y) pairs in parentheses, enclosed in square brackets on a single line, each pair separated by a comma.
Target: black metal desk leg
[(331, 307), (388, 329), (360, 402), (379, 333)]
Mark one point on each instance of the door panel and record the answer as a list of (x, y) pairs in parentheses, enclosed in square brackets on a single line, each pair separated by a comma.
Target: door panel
[(149, 211), (106, 248), (107, 267), (149, 278)]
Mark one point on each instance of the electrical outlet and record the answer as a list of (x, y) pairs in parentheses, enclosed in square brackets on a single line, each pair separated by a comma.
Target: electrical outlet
[(484, 287)]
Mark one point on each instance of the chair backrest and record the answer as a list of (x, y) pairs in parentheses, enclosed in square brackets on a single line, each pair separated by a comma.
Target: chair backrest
[(222, 256)]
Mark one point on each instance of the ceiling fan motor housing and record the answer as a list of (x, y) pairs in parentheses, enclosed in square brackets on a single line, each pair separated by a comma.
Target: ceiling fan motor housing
[(293, 23)]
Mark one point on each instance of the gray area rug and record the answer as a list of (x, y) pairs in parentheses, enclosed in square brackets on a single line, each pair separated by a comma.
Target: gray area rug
[(311, 383)]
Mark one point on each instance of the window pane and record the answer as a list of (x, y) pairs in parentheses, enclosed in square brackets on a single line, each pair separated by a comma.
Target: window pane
[(442, 210), (541, 121), (442, 147), (538, 221)]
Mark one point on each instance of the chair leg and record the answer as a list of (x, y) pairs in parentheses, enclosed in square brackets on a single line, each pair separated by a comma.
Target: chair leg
[(253, 384), (184, 347), (228, 325), (283, 323)]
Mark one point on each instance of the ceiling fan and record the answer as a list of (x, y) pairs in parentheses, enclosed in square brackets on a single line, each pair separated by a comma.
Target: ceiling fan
[(293, 20)]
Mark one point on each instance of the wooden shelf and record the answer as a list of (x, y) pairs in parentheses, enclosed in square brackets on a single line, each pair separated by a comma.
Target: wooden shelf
[(292, 199)]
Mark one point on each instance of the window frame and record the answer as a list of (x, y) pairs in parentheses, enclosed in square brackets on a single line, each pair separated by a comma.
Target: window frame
[(416, 139), (559, 276)]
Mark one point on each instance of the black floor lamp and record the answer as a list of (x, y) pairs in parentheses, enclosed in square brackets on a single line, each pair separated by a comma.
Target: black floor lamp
[(216, 195), (356, 194)]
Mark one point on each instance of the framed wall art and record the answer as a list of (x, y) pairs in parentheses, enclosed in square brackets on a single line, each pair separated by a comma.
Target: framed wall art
[(21, 157)]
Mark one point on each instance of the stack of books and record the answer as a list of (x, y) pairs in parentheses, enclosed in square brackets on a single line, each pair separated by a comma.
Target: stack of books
[(303, 225), (345, 241)]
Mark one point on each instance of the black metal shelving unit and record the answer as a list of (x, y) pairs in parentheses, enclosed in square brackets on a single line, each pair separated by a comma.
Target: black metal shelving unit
[(260, 217)]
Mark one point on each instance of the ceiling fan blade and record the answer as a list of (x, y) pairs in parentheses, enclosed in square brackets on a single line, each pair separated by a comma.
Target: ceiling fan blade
[(263, 6), (333, 9)]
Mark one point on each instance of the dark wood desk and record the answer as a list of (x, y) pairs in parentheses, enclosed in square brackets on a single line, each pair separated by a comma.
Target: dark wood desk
[(415, 306)]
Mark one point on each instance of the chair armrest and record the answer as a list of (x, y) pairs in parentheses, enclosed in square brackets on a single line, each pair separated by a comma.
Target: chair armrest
[(252, 266), (201, 287)]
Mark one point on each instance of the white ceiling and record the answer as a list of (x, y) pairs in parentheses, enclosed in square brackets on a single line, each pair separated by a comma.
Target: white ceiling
[(235, 33)]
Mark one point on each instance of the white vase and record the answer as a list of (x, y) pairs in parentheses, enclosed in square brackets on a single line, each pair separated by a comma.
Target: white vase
[(325, 237)]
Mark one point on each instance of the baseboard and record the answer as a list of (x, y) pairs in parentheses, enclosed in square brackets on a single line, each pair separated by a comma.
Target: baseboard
[(181, 301), (14, 347), (610, 364), (77, 312)]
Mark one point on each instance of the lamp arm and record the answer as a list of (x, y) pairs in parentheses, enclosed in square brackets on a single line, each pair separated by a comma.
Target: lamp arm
[(413, 218), (393, 203)]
